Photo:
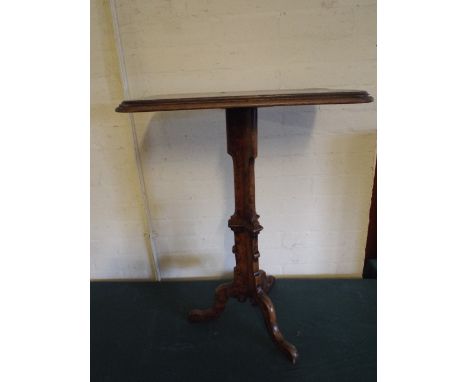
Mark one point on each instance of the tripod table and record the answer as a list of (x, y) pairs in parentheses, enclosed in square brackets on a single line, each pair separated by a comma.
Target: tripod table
[(241, 124)]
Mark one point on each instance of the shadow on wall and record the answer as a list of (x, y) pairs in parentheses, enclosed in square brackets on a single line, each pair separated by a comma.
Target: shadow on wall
[(313, 191), (180, 261), (186, 168), (189, 178)]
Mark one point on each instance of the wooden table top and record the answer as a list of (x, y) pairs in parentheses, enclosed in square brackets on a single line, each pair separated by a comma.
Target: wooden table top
[(226, 100)]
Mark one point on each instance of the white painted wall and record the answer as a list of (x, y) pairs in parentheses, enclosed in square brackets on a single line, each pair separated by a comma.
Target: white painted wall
[(118, 245), (315, 164)]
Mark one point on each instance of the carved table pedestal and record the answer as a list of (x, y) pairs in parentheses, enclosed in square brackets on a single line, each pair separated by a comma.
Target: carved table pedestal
[(249, 281)]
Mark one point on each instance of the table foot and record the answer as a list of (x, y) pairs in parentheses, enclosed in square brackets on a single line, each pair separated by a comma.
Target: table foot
[(222, 294), (269, 315)]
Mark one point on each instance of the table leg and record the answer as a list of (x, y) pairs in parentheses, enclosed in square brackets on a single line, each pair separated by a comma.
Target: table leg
[(249, 281)]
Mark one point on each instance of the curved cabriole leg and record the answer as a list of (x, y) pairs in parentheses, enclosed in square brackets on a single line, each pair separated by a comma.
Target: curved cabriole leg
[(222, 293), (269, 315), (266, 284)]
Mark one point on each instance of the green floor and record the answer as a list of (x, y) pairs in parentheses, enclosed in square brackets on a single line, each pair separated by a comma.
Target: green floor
[(139, 332)]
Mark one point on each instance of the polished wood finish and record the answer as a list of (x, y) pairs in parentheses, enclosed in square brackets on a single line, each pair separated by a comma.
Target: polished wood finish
[(266, 98), (249, 281)]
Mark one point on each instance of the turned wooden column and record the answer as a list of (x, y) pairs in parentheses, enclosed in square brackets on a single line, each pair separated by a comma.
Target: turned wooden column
[(241, 122), (241, 132)]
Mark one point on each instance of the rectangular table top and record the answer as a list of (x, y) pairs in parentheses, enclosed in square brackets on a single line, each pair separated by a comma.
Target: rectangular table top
[(225, 100)]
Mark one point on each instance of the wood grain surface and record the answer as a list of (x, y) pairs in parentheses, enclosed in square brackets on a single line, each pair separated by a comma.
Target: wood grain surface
[(226, 100)]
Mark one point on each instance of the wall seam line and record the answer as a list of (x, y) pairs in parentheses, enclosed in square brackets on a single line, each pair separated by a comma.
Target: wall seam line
[(154, 261)]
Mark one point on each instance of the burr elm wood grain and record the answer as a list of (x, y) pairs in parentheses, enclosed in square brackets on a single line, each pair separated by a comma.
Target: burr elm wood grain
[(249, 281), (225, 100)]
